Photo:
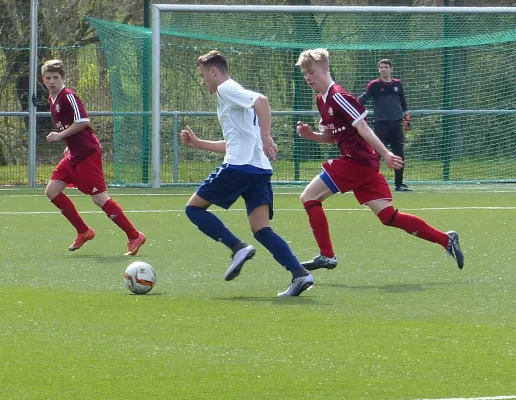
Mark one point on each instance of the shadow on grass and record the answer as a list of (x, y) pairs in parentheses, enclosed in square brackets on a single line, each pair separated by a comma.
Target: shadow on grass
[(152, 294), (281, 301), (394, 288), (101, 258)]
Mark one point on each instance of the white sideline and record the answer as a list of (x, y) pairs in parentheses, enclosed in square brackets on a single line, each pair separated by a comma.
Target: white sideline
[(276, 193), (282, 190), (478, 398), (181, 210)]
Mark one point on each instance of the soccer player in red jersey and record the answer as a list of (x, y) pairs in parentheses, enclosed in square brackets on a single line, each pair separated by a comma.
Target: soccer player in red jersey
[(81, 165), (344, 121)]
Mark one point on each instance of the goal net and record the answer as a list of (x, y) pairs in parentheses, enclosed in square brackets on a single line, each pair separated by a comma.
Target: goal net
[(457, 70)]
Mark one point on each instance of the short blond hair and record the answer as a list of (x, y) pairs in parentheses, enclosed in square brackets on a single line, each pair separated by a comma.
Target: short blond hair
[(53, 66), (309, 57)]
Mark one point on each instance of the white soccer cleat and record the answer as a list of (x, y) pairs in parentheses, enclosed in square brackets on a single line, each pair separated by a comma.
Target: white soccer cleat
[(239, 259), (298, 286)]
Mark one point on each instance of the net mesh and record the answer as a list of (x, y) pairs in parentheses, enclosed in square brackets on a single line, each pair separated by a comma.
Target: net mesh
[(457, 72)]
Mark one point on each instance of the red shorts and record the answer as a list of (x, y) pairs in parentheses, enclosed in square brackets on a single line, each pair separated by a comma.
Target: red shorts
[(86, 175), (367, 183)]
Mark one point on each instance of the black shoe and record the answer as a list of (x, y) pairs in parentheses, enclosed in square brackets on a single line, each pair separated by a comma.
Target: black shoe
[(239, 259), (402, 188), (320, 261), (453, 248)]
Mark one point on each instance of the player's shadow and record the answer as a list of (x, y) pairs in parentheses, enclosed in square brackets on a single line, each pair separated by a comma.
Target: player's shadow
[(280, 301), (152, 294), (100, 258), (393, 288)]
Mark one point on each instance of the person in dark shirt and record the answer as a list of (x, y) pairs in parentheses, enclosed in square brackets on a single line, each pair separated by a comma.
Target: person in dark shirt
[(390, 110)]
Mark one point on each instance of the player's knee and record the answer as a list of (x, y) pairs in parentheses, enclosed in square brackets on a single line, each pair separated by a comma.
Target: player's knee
[(50, 194), (194, 213), (259, 231), (99, 201), (190, 211), (387, 215), (311, 204), (307, 197)]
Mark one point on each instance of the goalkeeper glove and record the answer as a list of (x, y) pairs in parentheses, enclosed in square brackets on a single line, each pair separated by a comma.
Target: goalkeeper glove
[(406, 123)]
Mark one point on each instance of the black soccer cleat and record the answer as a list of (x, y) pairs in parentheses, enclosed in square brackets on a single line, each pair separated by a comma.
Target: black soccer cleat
[(453, 248), (320, 261), (402, 188)]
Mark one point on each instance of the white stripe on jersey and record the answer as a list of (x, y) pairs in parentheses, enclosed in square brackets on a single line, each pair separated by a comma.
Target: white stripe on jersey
[(364, 114), (346, 105), (76, 111)]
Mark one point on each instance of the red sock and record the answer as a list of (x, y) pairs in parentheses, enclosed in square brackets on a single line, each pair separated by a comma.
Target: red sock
[(319, 225), (413, 225), (68, 209), (116, 214)]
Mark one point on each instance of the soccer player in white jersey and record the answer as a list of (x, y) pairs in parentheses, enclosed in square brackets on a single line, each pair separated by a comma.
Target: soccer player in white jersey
[(246, 171)]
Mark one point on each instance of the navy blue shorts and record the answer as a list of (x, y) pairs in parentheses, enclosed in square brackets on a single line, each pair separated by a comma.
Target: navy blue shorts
[(225, 185)]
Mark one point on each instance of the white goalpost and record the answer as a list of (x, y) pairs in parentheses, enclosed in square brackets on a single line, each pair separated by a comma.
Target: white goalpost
[(396, 12)]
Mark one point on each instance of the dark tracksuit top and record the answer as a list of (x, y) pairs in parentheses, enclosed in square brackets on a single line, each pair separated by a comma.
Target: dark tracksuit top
[(388, 99), (388, 105)]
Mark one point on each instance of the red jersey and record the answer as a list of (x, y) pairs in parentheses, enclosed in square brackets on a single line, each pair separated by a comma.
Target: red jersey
[(66, 109), (340, 112)]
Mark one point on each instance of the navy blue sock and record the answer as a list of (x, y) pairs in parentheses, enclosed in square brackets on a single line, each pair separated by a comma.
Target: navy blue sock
[(279, 248), (211, 226)]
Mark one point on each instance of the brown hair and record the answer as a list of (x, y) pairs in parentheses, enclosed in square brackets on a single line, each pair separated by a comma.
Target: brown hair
[(53, 66), (215, 59), (385, 61)]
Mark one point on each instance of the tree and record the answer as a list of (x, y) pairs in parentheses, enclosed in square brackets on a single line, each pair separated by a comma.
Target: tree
[(61, 23)]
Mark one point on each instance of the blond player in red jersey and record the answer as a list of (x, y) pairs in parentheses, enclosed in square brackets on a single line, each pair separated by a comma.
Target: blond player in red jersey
[(81, 165), (344, 121)]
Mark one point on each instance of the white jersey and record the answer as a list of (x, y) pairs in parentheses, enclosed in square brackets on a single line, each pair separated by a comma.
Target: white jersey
[(240, 126)]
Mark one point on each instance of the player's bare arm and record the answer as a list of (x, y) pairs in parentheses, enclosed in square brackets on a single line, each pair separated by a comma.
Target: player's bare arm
[(263, 112), (305, 131), (71, 130), (189, 138), (369, 136)]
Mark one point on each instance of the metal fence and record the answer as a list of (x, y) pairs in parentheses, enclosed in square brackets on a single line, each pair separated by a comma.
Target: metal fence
[(27, 159)]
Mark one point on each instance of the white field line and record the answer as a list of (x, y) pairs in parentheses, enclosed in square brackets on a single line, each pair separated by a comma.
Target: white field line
[(276, 192), (181, 210), (478, 398)]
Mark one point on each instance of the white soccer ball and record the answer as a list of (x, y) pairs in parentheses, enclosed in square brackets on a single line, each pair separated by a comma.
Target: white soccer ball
[(140, 277)]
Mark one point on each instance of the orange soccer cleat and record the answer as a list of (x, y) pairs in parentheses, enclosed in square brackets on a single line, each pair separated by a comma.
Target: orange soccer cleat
[(81, 239), (134, 245)]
